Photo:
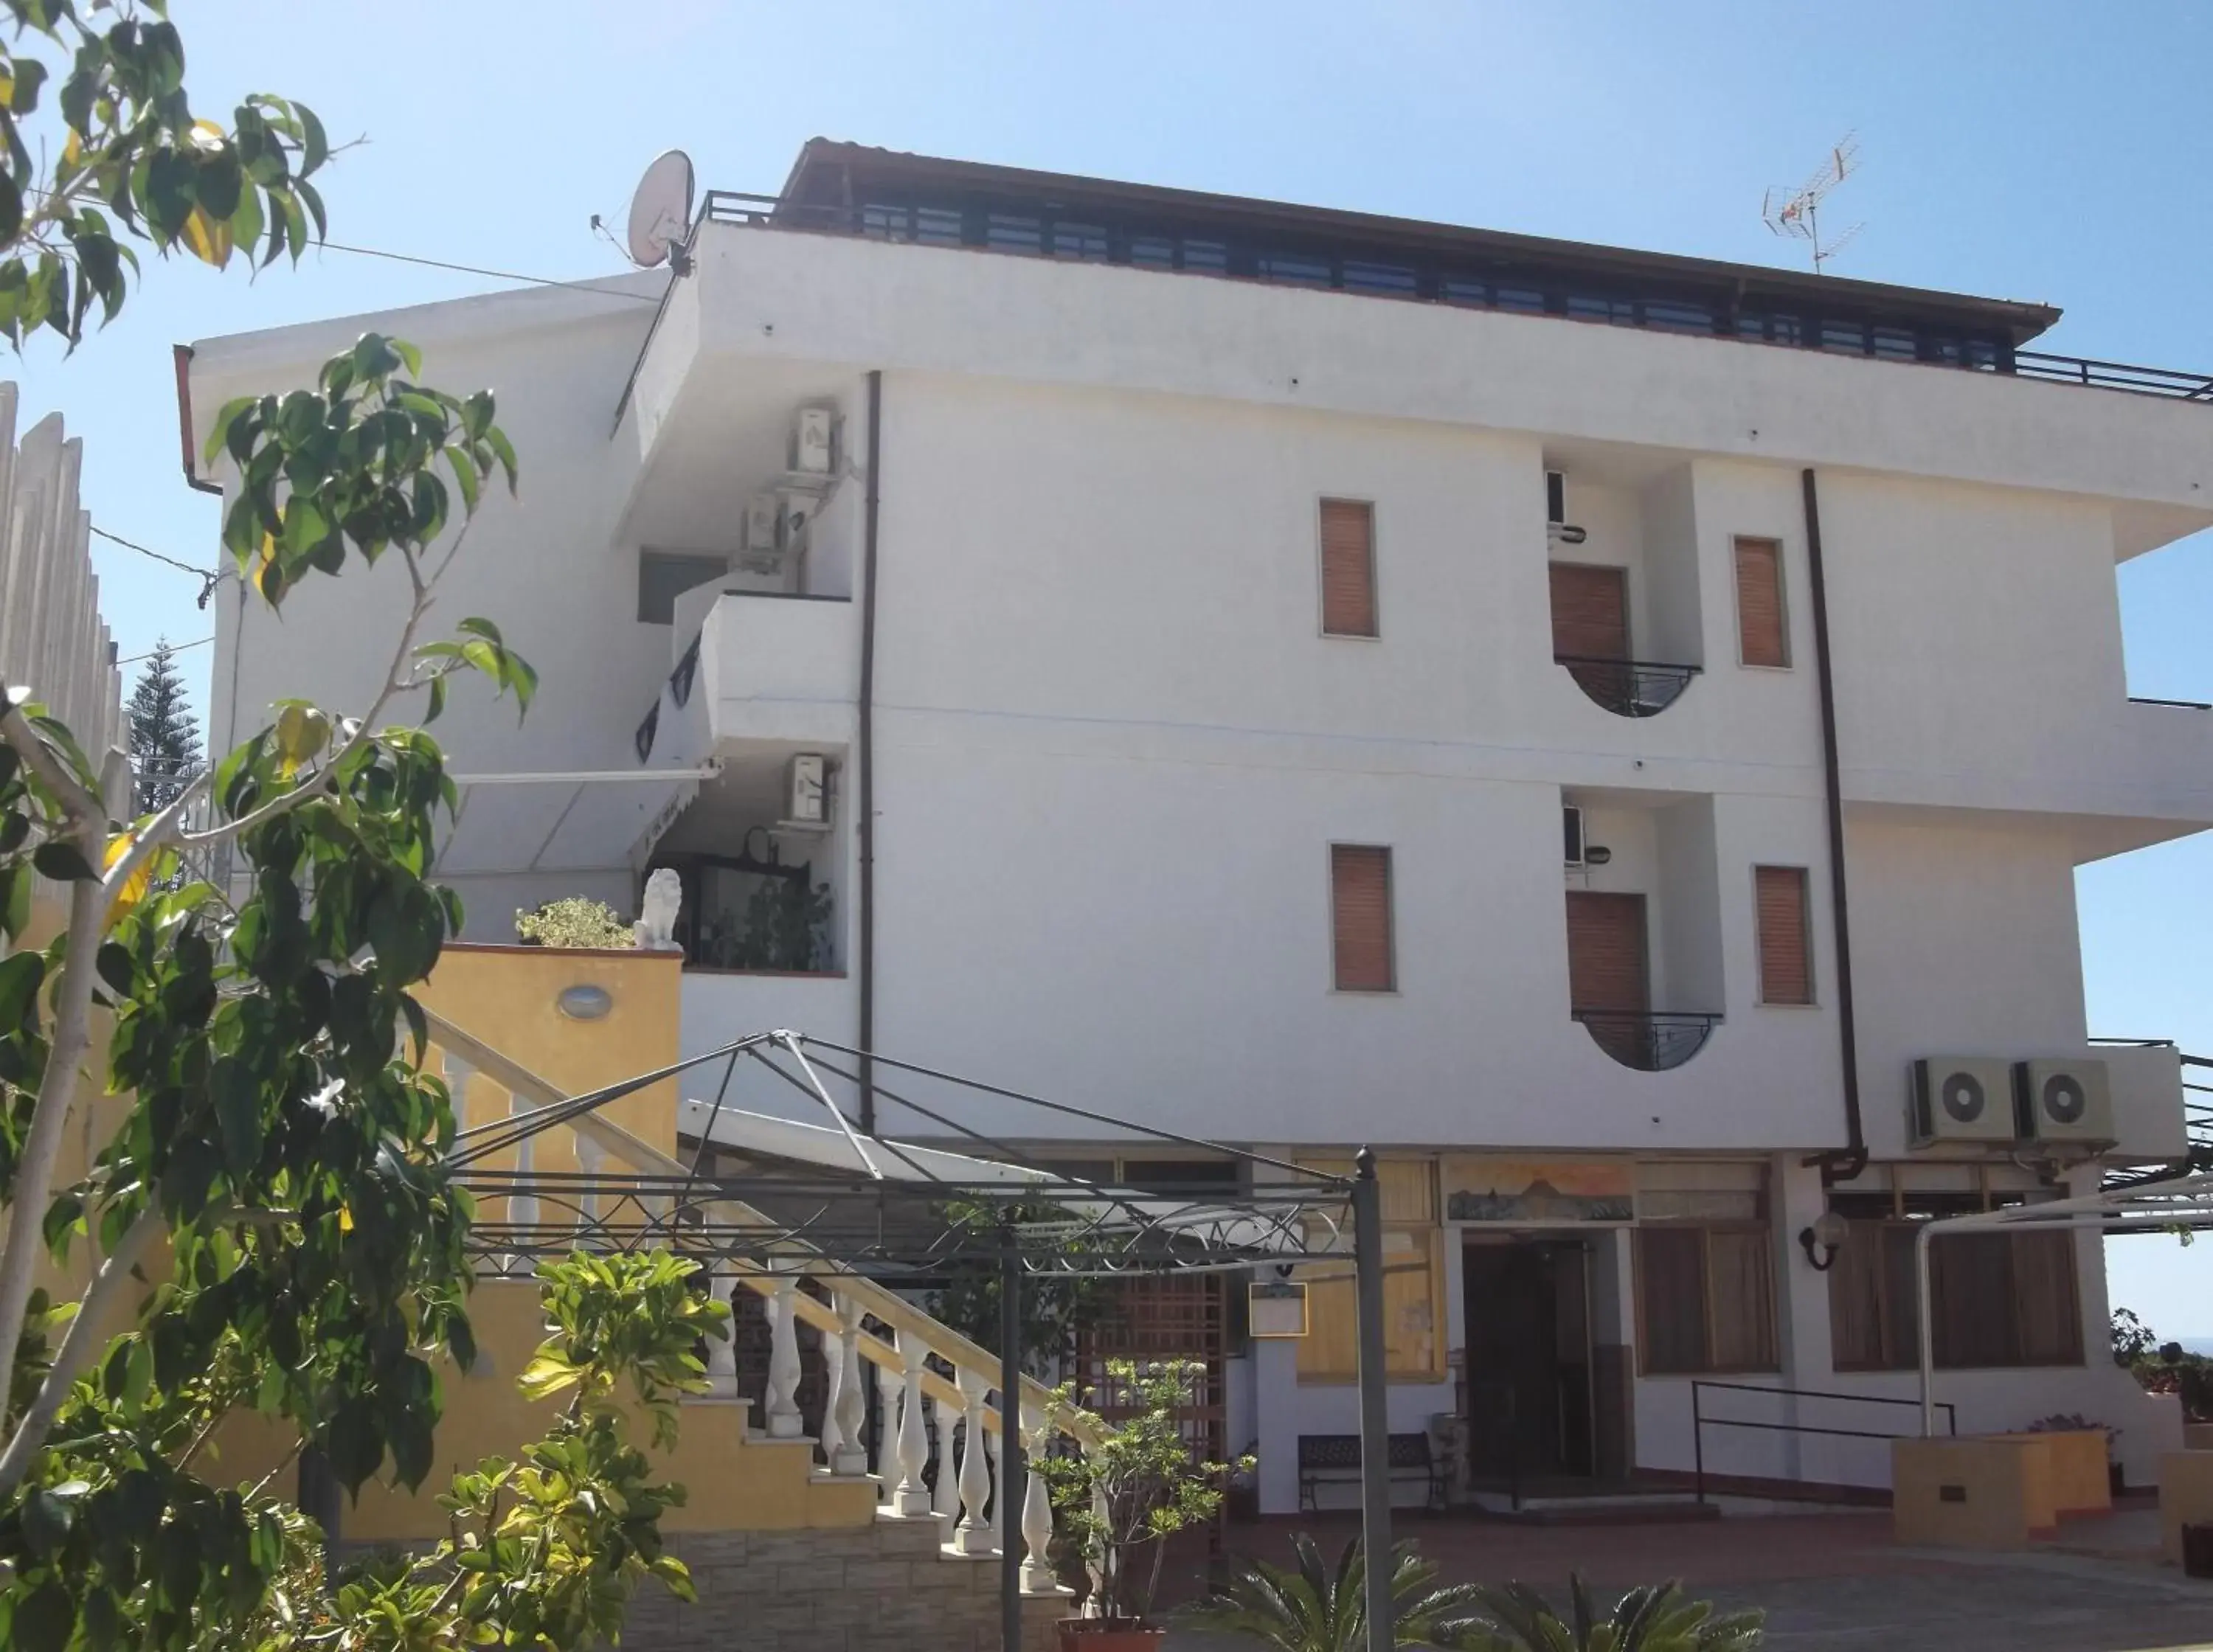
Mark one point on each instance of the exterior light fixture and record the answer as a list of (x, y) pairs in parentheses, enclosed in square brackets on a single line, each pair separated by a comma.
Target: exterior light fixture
[(585, 1002), (1824, 1240)]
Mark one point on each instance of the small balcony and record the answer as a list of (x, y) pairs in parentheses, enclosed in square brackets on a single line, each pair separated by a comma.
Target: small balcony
[(1628, 688), (1647, 1040)]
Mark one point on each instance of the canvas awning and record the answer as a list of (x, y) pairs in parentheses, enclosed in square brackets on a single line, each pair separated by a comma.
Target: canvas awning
[(578, 821)]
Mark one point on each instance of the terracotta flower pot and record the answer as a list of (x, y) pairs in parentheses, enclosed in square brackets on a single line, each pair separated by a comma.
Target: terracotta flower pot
[(1109, 1635)]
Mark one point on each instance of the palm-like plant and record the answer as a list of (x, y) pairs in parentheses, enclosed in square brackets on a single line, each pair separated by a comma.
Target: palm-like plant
[(1318, 1608), (1653, 1618)]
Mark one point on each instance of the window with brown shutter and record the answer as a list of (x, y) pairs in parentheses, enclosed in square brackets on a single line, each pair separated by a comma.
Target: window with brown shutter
[(1590, 612), (1705, 1296), (1762, 636), (1607, 952), (1996, 1299), (1347, 568), (1786, 959), (1360, 917)]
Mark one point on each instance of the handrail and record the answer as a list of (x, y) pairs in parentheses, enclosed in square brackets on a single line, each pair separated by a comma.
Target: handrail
[(2187, 706), (886, 1306), (1628, 688), (1649, 1041), (1699, 1419)]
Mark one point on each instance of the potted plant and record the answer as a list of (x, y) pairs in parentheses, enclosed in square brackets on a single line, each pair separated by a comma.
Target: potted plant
[(1135, 1485)]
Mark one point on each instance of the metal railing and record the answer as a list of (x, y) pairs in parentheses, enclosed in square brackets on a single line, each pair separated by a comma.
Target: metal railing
[(1651, 1041), (1628, 688), (2113, 375), (1699, 1420), (2187, 706)]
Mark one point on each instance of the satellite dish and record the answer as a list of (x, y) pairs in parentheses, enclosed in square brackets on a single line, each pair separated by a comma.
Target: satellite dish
[(660, 210)]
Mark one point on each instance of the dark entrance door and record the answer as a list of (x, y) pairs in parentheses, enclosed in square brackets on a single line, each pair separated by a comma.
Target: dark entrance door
[(1528, 1357)]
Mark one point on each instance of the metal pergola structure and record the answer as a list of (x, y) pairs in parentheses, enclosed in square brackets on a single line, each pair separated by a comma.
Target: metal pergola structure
[(2172, 1205), (893, 1214)]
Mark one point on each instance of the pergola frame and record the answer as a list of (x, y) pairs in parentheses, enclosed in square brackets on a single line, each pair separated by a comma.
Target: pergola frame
[(2176, 1204), (1097, 1231)]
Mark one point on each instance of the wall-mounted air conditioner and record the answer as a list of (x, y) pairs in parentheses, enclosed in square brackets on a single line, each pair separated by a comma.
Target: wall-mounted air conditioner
[(761, 541), (815, 440), (1571, 828), (806, 794), (1558, 528), (2063, 1100), (1960, 1099)]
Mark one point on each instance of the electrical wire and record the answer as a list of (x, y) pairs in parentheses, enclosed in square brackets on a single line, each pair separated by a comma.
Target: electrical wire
[(497, 274), (174, 647)]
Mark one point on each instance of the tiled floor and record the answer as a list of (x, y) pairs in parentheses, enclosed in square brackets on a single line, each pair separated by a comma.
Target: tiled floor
[(1829, 1582)]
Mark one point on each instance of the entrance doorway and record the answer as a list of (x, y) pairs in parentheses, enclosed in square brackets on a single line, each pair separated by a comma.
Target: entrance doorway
[(1529, 1389)]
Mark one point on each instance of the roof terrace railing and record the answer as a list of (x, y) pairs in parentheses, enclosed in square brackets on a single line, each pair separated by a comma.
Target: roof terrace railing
[(1532, 292)]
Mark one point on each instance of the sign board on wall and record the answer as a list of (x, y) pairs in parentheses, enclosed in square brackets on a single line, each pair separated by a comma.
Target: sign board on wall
[(1277, 1307), (1531, 1192)]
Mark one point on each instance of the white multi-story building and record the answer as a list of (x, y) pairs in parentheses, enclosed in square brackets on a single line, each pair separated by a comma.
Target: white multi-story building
[(1593, 725)]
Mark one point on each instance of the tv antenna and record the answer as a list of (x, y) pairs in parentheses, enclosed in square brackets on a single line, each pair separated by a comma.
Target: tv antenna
[(661, 212), (1797, 212)]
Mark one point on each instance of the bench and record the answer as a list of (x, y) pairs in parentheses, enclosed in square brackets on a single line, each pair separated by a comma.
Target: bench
[(1336, 1457)]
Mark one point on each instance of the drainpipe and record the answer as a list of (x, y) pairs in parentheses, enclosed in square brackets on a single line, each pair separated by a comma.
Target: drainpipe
[(865, 806), (1837, 1165)]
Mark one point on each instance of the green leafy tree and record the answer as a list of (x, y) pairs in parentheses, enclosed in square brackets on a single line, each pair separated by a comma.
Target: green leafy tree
[(1313, 1607), (1136, 1485), (575, 921), (165, 735), (275, 1132), (103, 154)]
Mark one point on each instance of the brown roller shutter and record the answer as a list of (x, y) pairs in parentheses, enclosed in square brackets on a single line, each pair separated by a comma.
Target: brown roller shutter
[(1761, 640), (1786, 962), (1360, 917), (1605, 952), (1590, 612), (1347, 568)]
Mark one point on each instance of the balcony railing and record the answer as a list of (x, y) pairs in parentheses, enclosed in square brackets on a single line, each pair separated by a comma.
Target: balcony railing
[(1628, 688), (1651, 1041)]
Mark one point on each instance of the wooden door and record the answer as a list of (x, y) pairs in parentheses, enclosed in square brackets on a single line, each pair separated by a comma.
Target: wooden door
[(1590, 612), (1590, 627), (1605, 952), (1606, 968)]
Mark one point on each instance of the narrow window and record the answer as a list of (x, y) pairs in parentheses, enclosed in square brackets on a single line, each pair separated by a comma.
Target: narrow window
[(1762, 639), (1360, 917), (1786, 962), (1347, 568)]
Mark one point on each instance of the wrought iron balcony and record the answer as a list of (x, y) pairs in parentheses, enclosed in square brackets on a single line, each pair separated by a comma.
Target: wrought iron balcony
[(1628, 688), (1651, 1041)]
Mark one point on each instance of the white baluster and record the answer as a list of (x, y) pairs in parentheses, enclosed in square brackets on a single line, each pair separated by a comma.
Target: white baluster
[(523, 1207), (850, 1400), (995, 1457), (1036, 1507), (833, 1366), (784, 1419), (945, 1496), (912, 1497), (723, 1356), (457, 1073), (974, 1536), (888, 1390), (590, 1157)]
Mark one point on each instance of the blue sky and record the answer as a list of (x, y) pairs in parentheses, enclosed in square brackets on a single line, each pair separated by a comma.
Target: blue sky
[(2029, 149)]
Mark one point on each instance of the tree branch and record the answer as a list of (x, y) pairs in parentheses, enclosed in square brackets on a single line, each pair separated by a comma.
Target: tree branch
[(84, 1339), (39, 757)]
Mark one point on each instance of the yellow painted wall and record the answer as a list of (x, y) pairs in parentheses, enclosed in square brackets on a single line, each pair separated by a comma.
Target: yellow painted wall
[(508, 997), (2082, 1483), (2002, 1491)]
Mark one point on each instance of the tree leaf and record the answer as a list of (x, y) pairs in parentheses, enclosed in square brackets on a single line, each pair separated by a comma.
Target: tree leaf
[(44, 1618), (233, 1088), (62, 860)]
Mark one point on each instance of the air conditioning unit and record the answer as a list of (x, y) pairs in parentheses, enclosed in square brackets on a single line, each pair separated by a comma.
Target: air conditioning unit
[(2063, 1100), (763, 538), (1572, 824), (1960, 1099), (1558, 528), (814, 440), (806, 794)]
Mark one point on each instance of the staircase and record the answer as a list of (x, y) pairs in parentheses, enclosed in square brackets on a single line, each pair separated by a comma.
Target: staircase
[(793, 1541)]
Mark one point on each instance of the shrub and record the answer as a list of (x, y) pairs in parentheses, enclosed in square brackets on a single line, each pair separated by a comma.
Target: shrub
[(575, 921)]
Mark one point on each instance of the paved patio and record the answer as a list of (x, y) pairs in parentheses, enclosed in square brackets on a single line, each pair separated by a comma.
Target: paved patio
[(1829, 1582)]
